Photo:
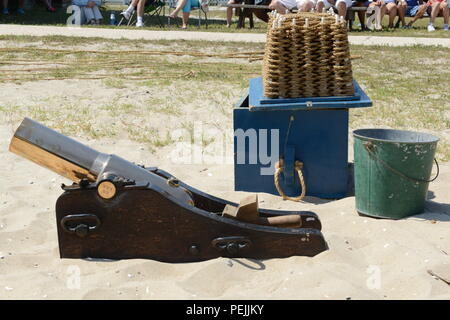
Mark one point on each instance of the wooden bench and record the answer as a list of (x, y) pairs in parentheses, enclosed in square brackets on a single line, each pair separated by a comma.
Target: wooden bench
[(246, 11)]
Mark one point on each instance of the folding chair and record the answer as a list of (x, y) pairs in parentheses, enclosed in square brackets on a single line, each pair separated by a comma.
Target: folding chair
[(153, 8), (115, 5), (202, 9)]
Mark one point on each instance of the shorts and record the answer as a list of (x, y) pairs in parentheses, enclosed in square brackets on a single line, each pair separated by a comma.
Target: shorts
[(191, 4), (389, 1), (328, 5), (361, 3), (289, 4), (412, 11), (261, 2), (302, 2), (429, 3)]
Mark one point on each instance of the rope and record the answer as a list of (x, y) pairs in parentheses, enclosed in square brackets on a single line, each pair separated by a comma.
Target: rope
[(298, 168), (306, 55), (242, 55)]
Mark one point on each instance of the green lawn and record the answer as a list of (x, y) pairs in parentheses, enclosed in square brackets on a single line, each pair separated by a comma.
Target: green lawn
[(39, 16), (409, 91)]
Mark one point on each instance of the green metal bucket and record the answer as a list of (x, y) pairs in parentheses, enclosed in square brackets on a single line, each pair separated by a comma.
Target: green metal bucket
[(392, 171)]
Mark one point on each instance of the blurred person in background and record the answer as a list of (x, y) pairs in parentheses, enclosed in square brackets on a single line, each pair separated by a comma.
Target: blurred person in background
[(90, 10), (411, 8), (362, 14), (340, 5), (48, 5), (388, 7), (139, 6), (19, 7), (439, 8)]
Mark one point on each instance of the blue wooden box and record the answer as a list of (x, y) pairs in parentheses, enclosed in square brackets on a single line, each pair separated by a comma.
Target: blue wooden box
[(311, 130)]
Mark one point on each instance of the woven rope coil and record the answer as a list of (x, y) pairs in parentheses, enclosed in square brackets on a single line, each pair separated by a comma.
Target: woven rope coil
[(307, 55)]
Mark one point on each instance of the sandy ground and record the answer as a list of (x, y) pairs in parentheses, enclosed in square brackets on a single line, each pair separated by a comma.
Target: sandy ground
[(367, 258), (206, 36)]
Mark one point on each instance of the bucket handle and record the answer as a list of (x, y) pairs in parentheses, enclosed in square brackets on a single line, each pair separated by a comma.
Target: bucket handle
[(298, 168), (369, 146)]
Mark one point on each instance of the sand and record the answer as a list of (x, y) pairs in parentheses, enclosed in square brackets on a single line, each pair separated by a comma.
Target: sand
[(361, 249)]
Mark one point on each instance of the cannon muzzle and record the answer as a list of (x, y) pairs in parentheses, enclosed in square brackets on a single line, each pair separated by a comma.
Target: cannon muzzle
[(76, 161)]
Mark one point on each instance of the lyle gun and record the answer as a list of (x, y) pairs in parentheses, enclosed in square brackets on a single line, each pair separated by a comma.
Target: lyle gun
[(118, 210)]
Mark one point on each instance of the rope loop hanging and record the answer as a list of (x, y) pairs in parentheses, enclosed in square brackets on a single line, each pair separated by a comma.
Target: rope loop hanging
[(279, 168)]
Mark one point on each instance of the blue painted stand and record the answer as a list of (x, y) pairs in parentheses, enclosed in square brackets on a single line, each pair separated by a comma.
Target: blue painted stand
[(318, 137)]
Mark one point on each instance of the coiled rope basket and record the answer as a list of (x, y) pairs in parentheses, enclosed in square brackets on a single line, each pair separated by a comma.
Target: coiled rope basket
[(307, 55)]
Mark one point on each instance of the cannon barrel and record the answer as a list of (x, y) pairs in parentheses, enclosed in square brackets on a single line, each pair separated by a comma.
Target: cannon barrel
[(76, 161)]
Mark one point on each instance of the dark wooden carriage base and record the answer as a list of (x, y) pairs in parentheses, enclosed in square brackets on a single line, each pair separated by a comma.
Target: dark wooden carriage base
[(147, 222)]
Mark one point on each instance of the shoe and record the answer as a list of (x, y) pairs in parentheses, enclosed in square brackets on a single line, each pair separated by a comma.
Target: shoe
[(126, 15), (20, 11), (5, 11), (446, 27), (51, 9), (139, 24), (431, 28)]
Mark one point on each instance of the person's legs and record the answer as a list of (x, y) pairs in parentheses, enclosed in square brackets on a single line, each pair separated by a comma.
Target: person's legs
[(323, 4), (97, 14), (383, 12), (445, 10), (342, 8), (419, 14), (180, 5), (278, 6), (320, 6), (305, 5), (140, 8), (230, 13), (433, 11), (185, 19), (362, 14), (187, 11), (401, 10), (127, 13), (5, 7), (140, 13), (391, 10), (89, 14), (20, 7), (435, 8), (48, 4)]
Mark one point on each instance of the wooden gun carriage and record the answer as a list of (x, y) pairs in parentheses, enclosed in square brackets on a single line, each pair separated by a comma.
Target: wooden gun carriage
[(118, 210)]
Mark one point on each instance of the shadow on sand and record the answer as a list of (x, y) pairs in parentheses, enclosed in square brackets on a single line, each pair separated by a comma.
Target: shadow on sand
[(253, 264)]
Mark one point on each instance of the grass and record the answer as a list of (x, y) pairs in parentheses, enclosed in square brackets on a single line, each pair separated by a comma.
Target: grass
[(114, 83), (409, 88), (216, 23), (409, 91)]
